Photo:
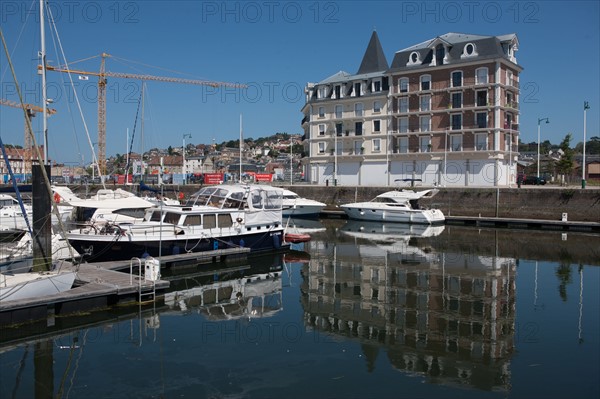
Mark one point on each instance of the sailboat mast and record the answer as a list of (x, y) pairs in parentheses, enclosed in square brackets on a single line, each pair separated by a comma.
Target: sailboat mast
[(44, 94), (241, 143)]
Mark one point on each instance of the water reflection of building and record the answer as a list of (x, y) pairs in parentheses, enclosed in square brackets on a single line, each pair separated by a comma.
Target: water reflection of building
[(230, 292), (448, 316)]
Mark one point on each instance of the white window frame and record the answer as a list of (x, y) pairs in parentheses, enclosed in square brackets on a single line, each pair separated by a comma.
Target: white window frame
[(357, 146), (403, 100), (400, 127), (481, 142), (373, 88), (427, 98), (376, 107), (424, 143), (456, 142), (461, 121), (322, 92), (321, 147), (510, 78), (425, 123), (376, 145), (322, 129), (477, 77), (339, 111), (452, 78), (423, 79), (375, 131), (401, 83), (358, 110), (466, 54), (321, 112), (477, 96), (335, 88), (452, 99), (476, 122), (403, 145)]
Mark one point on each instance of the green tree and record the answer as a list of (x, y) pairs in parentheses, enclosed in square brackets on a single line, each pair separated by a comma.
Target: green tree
[(170, 150), (565, 163)]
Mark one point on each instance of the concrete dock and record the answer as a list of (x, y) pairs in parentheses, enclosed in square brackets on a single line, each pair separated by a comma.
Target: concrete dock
[(101, 286)]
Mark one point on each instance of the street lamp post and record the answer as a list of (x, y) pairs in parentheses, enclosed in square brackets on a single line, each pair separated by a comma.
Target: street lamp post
[(538, 150), (183, 157), (586, 106)]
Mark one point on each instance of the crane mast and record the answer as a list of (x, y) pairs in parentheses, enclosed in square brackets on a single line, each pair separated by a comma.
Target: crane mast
[(102, 75)]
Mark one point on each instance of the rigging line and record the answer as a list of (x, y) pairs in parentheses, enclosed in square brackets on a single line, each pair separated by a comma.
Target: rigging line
[(60, 391), (56, 40), (123, 61), (23, 25), (64, 66), (20, 371), (87, 132), (55, 37), (133, 133), (45, 177), (77, 361)]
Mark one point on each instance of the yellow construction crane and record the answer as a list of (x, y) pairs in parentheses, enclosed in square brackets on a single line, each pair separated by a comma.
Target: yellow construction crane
[(31, 110), (102, 75)]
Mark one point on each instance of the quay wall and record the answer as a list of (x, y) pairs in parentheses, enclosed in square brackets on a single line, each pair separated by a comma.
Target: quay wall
[(527, 203)]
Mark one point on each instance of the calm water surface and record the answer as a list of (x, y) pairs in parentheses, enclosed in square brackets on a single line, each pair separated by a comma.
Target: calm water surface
[(361, 311)]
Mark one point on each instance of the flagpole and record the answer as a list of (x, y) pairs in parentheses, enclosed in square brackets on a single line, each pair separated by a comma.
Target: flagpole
[(586, 106)]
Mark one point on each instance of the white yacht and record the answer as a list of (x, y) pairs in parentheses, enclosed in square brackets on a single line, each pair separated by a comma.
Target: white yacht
[(396, 206), (296, 206), (216, 217)]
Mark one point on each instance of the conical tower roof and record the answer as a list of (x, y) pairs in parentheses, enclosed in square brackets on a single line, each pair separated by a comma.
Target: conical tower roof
[(374, 59)]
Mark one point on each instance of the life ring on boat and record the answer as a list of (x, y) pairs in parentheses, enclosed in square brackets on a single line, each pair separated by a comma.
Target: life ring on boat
[(57, 198)]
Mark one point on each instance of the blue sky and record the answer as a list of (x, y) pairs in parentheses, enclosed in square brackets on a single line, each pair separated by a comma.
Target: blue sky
[(274, 47)]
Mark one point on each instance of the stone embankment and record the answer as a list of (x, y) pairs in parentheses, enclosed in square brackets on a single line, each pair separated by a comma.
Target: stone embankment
[(546, 203)]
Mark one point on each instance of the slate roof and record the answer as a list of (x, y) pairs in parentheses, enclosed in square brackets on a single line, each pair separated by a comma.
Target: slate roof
[(374, 59), (487, 47)]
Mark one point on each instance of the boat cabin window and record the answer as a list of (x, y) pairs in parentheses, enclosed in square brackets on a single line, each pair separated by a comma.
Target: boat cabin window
[(172, 218), (84, 214), (225, 220), (131, 212), (155, 217), (210, 221), (235, 201), (192, 220)]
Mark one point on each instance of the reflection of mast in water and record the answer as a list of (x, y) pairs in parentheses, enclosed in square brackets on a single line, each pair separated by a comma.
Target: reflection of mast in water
[(580, 303)]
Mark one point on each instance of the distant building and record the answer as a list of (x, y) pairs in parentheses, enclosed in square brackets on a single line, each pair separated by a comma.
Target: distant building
[(446, 112)]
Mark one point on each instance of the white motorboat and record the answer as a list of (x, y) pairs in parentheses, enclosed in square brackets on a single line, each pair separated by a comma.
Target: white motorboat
[(296, 206), (105, 206), (396, 206), (11, 213), (216, 217)]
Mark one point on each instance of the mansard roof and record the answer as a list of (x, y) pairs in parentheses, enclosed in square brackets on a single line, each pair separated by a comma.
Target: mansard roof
[(374, 59), (486, 47)]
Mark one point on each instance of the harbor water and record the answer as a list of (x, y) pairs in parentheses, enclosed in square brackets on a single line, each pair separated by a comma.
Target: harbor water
[(360, 311)]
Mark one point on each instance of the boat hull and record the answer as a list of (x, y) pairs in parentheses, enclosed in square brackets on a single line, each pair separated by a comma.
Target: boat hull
[(96, 249)]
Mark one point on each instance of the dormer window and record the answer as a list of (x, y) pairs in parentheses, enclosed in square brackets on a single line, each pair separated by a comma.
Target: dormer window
[(376, 86), (414, 58), (469, 50)]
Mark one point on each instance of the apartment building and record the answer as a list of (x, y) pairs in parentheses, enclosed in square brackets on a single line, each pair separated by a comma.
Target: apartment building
[(444, 113)]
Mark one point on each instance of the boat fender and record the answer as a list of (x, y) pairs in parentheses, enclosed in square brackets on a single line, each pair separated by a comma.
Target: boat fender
[(57, 198)]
